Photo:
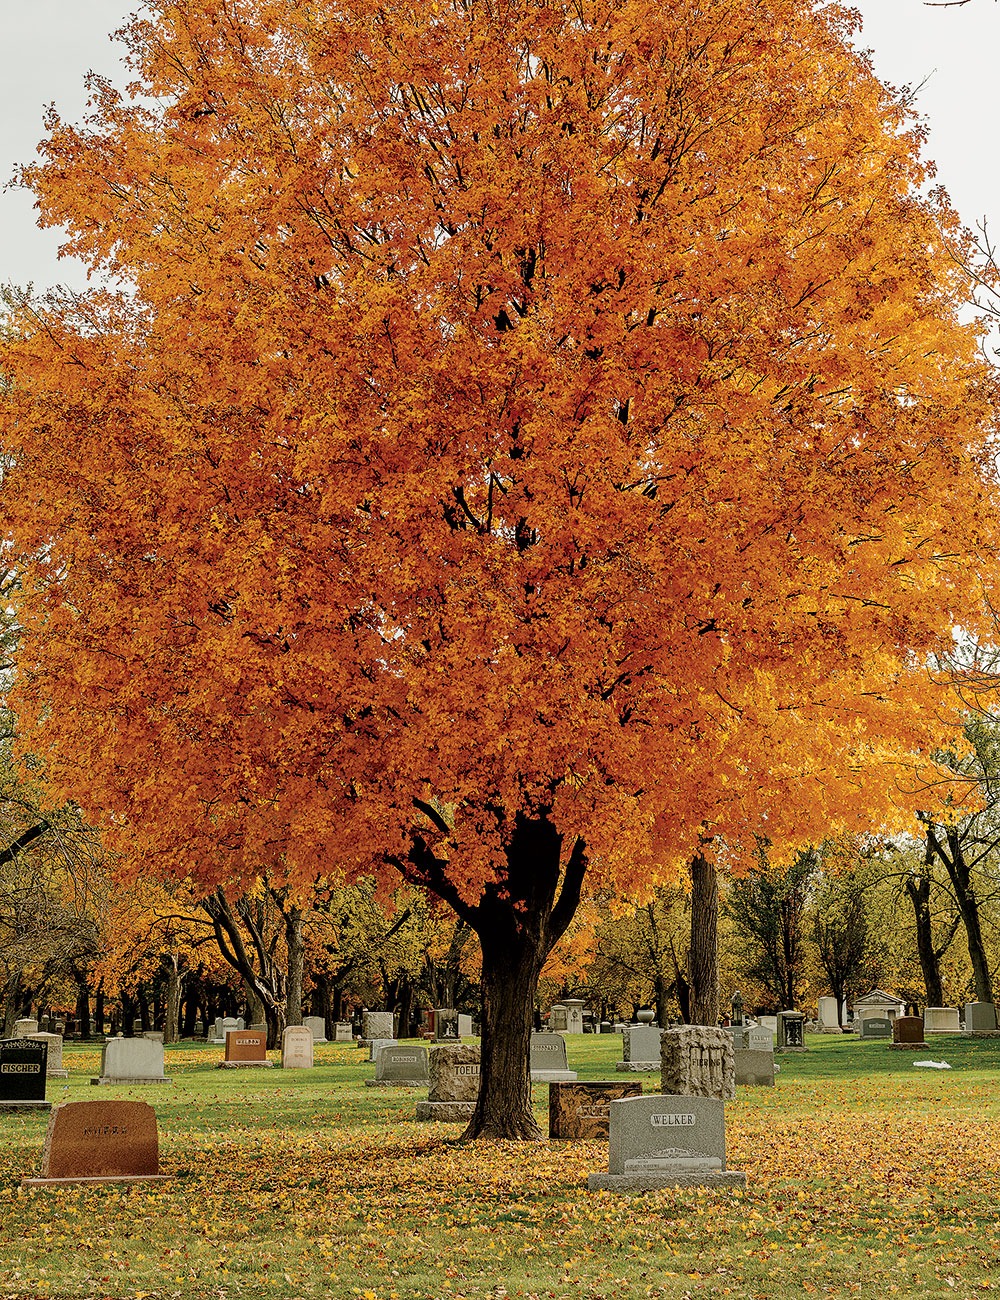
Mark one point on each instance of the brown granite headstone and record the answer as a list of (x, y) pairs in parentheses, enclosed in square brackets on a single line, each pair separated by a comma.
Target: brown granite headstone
[(582, 1110), (100, 1141), (245, 1047), (908, 1032)]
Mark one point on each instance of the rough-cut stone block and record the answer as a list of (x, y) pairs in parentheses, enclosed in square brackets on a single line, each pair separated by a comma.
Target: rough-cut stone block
[(697, 1061), (454, 1073), (581, 1110), (296, 1048), (378, 1024), (131, 1061), (100, 1141)]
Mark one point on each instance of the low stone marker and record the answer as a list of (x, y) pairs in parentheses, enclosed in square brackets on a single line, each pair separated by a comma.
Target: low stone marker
[(296, 1048), (317, 1027), (454, 1083), (54, 1042), (547, 1059), (697, 1061), (245, 1048), (581, 1110), (375, 1046), (377, 1026), (131, 1061), (640, 1049), (100, 1142), (980, 1018), (754, 1062), (666, 1141), (791, 1035), (342, 1032), (875, 1027), (941, 1020), (22, 1074), (464, 1025), (446, 1025), (908, 1034), (400, 1066)]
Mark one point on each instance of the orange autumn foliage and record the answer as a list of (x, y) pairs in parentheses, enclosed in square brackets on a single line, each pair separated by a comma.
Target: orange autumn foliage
[(556, 414)]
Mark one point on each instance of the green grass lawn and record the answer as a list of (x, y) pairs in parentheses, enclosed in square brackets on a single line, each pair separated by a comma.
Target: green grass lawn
[(866, 1177)]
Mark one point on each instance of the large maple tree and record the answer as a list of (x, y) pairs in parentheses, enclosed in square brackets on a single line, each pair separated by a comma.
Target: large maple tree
[(537, 440)]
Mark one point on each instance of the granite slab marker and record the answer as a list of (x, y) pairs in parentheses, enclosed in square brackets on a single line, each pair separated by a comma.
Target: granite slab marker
[(666, 1141), (581, 1111), (100, 1142), (400, 1065), (640, 1049), (22, 1074), (245, 1049), (547, 1061), (130, 1061), (296, 1048)]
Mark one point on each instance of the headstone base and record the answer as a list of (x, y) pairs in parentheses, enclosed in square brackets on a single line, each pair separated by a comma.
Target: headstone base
[(454, 1112), (127, 1083), (637, 1067), (111, 1178), (653, 1182), (553, 1076), (245, 1065), (7, 1106), (909, 1047), (397, 1083), (57, 1074), (985, 1033)]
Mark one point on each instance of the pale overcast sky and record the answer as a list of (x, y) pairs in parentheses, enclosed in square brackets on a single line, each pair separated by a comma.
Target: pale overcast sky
[(48, 46)]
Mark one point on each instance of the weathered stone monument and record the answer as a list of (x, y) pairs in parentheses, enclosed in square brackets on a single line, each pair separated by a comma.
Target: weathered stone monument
[(574, 1015), (245, 1048), (25, 1028), (581, 1110), (454, 1083), (377, 1026), (908, 1033), (557, 1018), (100, 1142), (23, 1074), (400, 1066), (54, 1042), (754, 1059), (547, 1059), (296, 1048), (465, 1029), (317, 1027), (980, 1018), (941, 1020), (791, 1031), (666, 1141), (131, 1061), (640, 1049), (446, 1025), (697, 1061)]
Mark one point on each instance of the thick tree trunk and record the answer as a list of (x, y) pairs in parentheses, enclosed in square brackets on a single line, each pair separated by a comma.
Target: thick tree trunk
[(83, 1009), (171, 1020), (295, 942), (99, 1013), (704, 942), (960, 874), (919, 889)]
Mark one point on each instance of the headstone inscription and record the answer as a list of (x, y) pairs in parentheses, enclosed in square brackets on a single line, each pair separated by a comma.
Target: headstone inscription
[(908, 1033), (446, 1025), (317, 1027), (754, 1062), (640, 1049), (454, 1083), (980, 1018), (547, 1059), (22, 1074), (941, 1020), (399, 1065), (245, 1048), (581, 1110), (666, 1141), (100, 1142), (697, 1061), (296, 1048), (131, 1061), (54, 1042), (875, 1027)]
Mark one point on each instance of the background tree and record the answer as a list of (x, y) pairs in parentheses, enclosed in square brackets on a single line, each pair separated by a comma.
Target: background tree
[(527, 498), (839, 919), (767, 909)]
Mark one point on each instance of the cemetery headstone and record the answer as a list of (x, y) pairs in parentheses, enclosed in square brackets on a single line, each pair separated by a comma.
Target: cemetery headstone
[(941, 1020), (240, 1023), (640, 1049), (980, 1018), (574, 1015), (754, 1059), (547, 1059), (399, 1065), (22, 1074), (581, 1110), (557, 1018), (100, 1142), (908, 1033), (454, 1083), (54, 1042), (25, 1028), (131, 1061), (154, 1035), (218, 1034), (875, 1027), (375, 1046), (317, 1027), (769, 1022), (229, 1026), (296, 1048), (245, 1048), (697, 1061), (377, 1025), (828, 1023), (736, 1009), (343, 1032), (666, 1141), (791, 1031), (446, 1025), (465, 1026)]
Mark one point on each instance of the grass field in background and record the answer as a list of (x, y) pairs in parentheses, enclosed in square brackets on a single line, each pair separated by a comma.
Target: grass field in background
[(866, 1177)]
